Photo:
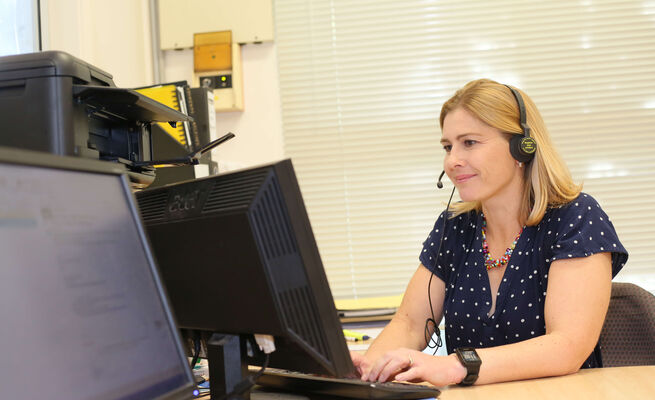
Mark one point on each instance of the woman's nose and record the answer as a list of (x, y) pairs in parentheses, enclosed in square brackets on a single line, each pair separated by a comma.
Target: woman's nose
[(453, 159)]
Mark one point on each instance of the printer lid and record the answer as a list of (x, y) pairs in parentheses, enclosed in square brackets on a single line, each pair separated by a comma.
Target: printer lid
[(126, 104), (52, 63)]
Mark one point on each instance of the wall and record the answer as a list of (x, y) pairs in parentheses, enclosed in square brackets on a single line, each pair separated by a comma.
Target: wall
[(112, 35)]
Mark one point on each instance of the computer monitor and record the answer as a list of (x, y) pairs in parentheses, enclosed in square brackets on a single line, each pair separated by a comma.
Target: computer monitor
[(238, 256), (83, 314)]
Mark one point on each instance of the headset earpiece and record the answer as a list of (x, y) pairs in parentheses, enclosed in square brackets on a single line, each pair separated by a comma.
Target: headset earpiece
[(522, 147)]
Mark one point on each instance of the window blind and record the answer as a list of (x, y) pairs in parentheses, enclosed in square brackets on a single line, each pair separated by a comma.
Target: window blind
[(362, 84)]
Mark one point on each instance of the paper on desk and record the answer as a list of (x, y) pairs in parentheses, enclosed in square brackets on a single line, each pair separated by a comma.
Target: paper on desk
[(371, 331), (369, 303)]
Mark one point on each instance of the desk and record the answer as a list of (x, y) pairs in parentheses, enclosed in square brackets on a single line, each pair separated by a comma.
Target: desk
[(599, 384)]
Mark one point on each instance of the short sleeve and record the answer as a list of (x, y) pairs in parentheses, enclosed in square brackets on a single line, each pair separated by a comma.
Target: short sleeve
[(583, 230), (428, 256)]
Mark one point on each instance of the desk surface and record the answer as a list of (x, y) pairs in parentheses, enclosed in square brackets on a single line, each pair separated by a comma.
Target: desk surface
[(598, 384)]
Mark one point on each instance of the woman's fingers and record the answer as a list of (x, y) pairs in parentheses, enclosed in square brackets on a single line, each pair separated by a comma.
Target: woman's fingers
[(410, 375), (390, 364), (362, 364)]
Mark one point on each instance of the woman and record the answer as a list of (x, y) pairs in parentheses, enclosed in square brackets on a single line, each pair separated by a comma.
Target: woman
[(522, 266)]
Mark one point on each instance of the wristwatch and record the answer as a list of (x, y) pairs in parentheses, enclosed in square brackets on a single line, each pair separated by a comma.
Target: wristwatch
[(471, 361)]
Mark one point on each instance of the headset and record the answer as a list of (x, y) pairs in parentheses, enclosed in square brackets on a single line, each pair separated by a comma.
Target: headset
[(522, 147)]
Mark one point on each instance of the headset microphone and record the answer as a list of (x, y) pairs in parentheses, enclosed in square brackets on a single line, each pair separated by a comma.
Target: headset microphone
[(439, 184)]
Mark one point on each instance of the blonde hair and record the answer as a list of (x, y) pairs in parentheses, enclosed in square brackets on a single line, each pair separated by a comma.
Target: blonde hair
[(548, 182)]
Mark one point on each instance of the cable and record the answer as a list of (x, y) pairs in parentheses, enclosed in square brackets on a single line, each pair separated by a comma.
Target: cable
[(196, 350), (431, 344)]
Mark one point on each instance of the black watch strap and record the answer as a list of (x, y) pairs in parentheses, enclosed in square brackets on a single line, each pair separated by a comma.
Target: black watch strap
[(471, 361)]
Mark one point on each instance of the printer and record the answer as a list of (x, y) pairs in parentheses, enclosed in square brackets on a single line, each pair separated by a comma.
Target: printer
[(53, 102)]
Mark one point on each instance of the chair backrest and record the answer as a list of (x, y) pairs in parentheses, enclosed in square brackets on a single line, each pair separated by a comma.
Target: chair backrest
[(628, 335)]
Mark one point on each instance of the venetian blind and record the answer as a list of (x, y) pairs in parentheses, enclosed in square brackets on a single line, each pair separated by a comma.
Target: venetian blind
[(362, 83)]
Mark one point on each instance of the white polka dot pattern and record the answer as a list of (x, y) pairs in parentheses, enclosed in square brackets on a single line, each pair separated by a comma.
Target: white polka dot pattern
[(578, 229)]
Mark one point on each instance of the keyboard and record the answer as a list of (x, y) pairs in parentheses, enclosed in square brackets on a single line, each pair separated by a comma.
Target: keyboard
[(344, 387)]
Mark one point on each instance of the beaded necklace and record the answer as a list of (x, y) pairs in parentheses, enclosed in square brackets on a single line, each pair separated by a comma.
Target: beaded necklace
[(489, 262)]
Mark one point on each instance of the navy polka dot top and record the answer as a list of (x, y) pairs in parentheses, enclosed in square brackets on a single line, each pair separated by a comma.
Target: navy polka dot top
[(578, 229)]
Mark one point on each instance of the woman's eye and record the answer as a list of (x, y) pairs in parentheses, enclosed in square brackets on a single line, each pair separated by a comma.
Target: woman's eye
[(469, 143), (447, 148)]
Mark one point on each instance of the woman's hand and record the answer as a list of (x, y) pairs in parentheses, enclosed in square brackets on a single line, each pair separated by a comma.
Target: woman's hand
[(414, 366), (362, 364)]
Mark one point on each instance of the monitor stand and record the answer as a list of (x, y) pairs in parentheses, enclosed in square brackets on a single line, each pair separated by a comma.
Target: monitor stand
[(226, 355)]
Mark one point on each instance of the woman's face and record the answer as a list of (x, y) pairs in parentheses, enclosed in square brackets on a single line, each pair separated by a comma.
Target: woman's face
[(477, 158)]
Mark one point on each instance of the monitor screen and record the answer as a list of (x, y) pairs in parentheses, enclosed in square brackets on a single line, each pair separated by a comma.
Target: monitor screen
[(82, 313), (238, 256)]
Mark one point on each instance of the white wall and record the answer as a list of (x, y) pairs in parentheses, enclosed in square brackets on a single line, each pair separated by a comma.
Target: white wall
[(111, 35)]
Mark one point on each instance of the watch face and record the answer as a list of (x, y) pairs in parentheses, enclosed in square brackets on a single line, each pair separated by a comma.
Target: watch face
[(470, 356)]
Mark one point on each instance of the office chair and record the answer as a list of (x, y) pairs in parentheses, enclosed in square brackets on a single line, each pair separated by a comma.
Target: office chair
[(628, 335)]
